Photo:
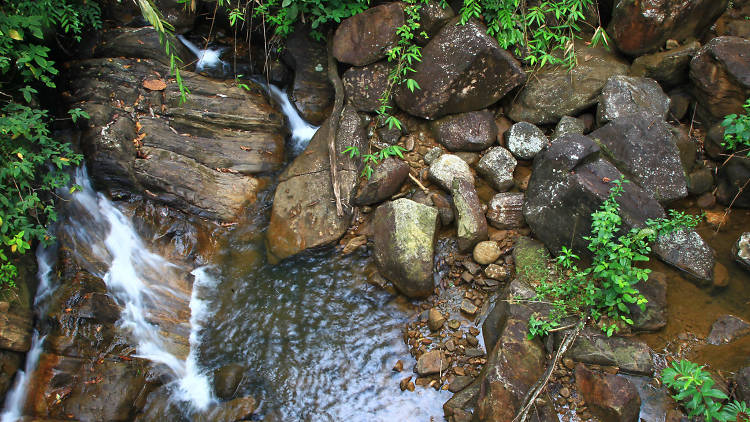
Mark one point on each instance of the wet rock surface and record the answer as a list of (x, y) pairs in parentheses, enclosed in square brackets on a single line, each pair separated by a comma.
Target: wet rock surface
[(304, 211), (364, 86), (741, 250), (726, 329), (462, 69), (630, 355), (15, 327), (385, 181), (669, 68), (311, 93), (639, 27), (505, 211)]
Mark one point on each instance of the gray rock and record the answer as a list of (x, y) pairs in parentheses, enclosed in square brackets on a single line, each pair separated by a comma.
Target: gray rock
[(742, 381), (432, 155), (741, 250), (505, 309), (496, 166), (472, 131), (552, 94), (627, 95), (432, 18), (594, 347), (525, 140), (470, 221), (568, 183), (506, 211), (727, 329), (654, 316), (496, 272), (669, 68), (405, 245), (447, 167), (569, 124), (462, 69), (643, 147), (700, 181), (459, 383), (385, 181)]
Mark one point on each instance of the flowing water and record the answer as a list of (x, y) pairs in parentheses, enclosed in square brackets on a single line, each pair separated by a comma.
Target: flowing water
[(209, 59)]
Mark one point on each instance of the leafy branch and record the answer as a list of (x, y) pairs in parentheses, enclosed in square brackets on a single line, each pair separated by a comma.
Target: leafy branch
[(370, 160)]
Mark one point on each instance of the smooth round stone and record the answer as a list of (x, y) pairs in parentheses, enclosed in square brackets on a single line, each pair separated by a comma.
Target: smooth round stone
[(487, 252)]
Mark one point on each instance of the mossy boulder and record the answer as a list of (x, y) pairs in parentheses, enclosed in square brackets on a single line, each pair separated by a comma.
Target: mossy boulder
[(471, 223), (405, 245)]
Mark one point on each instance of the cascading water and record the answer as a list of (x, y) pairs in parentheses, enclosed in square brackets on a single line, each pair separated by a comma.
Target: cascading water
[(210, 60), (302, 131), (141, 282)]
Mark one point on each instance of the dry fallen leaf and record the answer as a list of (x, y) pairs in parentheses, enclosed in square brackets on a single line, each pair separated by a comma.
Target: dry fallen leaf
[(138, 126), (155, 84)]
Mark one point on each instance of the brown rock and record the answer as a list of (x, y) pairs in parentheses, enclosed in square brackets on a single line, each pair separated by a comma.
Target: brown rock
[(727, 328), (487, 252), (385, 181), (470, 220), (365, 37), (432, 362), (364, 86), (15, 328), (611, 398), (505, 211), (472, 131), (468, 307), (435, 319), (496, 272), (311, 92)]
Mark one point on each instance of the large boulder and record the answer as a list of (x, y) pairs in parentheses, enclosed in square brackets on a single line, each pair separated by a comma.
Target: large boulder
[(142, 43), (304, 211), (15, 328), (433, 16), (669, 68), (470, 221), (611, 398), (639, 27), (643, 147), (515, 302), (365, 37), (365, 86), (626, 95), (220, 137), (570, 181), (462, 69), (496, 167), (311, 93), (554, 93), (720, 73), (472, 131), (405, 245)]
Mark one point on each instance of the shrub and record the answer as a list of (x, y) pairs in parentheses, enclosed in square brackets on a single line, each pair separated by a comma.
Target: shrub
[(695, 390), (605, 289), (737, 131)]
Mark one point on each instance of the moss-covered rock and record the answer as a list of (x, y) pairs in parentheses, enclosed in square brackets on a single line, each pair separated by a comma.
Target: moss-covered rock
[(405, 245), (471, 223)]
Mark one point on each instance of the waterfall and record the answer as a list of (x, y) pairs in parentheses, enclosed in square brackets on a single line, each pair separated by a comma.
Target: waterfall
[(302, 131), (208, 59), (140, 282)]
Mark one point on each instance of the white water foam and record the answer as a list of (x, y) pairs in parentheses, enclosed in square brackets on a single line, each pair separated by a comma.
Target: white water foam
[(302, 131), (136, 279), (208, 59), (16, 397)]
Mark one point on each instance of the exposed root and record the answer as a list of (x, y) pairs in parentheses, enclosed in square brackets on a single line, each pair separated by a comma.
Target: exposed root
[(333, 121)]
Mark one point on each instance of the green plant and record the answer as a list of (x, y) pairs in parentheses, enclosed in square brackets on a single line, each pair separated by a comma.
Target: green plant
[(737, 131), (34, 162), (374, 159), (283, 15), (536, 32), (607, 287), (695, 390)]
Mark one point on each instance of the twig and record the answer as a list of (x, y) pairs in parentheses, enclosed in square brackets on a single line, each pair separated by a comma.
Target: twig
[(532, 395), (421, 186)]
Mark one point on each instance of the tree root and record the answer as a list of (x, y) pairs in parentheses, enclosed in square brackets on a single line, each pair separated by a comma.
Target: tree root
[(333, 121), (532, 395)]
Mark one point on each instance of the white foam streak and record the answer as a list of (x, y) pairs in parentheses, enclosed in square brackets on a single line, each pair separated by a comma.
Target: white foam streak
[(302, 131), (16, 397), (207, 59)]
